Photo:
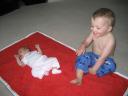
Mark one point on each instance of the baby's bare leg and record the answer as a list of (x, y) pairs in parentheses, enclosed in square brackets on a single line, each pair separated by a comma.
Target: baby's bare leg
[(79, 76)]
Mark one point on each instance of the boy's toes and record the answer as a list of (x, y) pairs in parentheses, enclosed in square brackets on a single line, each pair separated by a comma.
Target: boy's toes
[(75, 81)]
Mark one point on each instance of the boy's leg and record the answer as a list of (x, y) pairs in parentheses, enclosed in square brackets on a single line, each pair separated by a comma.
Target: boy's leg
[(106, 68), (85, 61), (79, 76), (82, 64)]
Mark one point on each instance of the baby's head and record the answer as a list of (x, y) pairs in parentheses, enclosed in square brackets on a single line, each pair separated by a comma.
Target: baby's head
[(23, 50), (102, 21)]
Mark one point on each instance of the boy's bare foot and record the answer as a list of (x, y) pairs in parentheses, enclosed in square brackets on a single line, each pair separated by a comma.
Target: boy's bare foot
[(76, 82)]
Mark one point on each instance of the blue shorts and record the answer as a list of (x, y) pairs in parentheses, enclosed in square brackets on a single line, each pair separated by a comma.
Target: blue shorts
[(87, 60)]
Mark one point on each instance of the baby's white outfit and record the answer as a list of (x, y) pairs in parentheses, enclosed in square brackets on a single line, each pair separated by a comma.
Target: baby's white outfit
[(41, 64)]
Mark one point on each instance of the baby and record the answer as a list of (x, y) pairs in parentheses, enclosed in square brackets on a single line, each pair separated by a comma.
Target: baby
[(40, 64), (99, 61)]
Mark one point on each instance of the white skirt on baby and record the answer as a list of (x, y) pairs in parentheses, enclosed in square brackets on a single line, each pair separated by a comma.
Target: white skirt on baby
[(43, 66)]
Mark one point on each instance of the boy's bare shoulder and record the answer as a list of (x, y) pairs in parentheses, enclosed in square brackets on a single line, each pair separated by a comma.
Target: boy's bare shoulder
[(111, 37)]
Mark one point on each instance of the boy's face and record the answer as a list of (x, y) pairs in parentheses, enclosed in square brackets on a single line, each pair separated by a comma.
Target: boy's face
[(100, 26)]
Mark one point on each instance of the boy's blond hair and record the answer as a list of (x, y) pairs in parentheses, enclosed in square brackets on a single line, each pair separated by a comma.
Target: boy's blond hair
[(105, 12)]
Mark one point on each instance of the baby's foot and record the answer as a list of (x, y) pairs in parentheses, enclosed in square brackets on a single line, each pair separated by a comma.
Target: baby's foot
[(76, 82), (56, 71), (46, 73)]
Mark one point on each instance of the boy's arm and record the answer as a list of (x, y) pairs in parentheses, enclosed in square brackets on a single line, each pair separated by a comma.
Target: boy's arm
[(86, 42), (18, 60), (38, 48), (106, 52)]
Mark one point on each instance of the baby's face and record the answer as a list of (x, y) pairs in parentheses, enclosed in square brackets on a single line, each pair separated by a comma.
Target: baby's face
[(22, 52), (100, 26)]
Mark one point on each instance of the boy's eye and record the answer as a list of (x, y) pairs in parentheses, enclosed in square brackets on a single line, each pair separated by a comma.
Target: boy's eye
[(98, 28)]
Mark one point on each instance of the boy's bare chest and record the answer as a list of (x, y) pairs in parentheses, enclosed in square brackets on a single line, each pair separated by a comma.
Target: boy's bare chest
[(99, 43)]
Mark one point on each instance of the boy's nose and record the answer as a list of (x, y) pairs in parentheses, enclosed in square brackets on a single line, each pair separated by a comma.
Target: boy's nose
[(94, 32)]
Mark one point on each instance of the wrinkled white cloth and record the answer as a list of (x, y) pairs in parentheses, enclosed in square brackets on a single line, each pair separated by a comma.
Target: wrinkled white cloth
[(40, 64)]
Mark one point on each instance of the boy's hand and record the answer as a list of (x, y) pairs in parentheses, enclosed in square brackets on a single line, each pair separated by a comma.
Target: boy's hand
[(80, 50), (92, 71)]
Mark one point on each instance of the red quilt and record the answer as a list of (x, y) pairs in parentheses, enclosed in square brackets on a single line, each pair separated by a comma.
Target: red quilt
[(22, 82)]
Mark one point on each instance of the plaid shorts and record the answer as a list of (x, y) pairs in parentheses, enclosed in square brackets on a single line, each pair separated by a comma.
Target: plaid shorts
[(87, 60)]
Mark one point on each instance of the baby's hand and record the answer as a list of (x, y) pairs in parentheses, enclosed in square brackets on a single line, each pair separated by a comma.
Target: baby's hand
[(16, 56), (37, 45)]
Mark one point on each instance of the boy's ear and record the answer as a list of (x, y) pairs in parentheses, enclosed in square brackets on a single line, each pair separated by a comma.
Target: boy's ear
[(110, 29)]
